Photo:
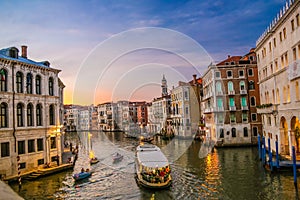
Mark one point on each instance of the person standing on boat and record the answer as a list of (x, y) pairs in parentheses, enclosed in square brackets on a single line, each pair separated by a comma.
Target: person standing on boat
[(57, 159)]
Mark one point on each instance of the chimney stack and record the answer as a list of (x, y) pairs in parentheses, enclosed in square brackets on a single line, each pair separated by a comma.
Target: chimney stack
[(24, 51), (228, 56), (195, 80)]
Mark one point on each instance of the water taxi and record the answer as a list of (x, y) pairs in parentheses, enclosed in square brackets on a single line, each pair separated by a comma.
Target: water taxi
[(152, 167)]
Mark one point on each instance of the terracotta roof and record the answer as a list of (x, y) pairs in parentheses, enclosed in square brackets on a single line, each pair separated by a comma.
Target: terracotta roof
[(230, 59)]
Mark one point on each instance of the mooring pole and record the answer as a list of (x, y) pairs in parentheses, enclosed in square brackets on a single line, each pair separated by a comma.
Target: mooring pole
[(270, 154), (277, 155), (264, 151), (259, 146), (294, 166)]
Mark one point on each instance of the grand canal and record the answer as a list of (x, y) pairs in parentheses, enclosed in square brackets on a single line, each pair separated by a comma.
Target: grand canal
[(228, 173)]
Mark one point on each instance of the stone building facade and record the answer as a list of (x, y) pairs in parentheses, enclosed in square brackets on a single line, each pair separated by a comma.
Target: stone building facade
[(31, 112), (278, 58)]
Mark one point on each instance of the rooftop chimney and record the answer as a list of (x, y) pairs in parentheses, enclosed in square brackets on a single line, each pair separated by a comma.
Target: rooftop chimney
[(228, 56), (194, 80), (24, 51)]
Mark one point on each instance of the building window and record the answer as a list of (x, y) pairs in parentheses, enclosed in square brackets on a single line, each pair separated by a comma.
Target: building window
[(288, 99), (241, 73), (233, 132), (231, 102), (297, 91), (218, 88), (250, 72), (51, 115), (280, 36), (53, 142), (251, 85), (255, 131), (220, 104), (297, 20), (242, 85), (232, 118), (38, 85), (292, 25), (229, 74), (218, 74), (41, 161), (51, 86), (244, 101), (244, 117), (31, 146), (252, 101), (186, 110), (284, 33), (5, 149), (29, 114), (3, 115), (221, 133), (245, 132), (277, 96), (20, 118), (19, 82), (3, 80), (253, 117), (22, 165), (274, 42), (38, 115), (294, 54), (220, 118), (40, 144), (21, 147), (29, 83), (230, 87)]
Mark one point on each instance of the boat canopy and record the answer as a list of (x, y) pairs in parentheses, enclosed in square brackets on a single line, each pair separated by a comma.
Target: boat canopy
[(151, 156)]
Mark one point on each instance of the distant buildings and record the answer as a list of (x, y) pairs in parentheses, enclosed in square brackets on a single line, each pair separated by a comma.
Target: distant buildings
[(278, 59), (31, 113)]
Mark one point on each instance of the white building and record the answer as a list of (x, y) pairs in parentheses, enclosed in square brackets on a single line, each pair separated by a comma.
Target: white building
[(185, 110), (278, 56), (30, 114)]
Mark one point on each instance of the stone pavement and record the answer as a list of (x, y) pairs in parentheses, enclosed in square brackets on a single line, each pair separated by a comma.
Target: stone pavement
[(7, 193)]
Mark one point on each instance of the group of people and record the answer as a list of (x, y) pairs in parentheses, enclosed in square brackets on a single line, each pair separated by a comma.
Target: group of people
[(87, 170), (156, 176)]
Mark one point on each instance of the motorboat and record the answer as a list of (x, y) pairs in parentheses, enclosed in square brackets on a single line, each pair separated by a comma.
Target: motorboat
[(117, 157), (81, 175), (94, 160), (152, 167)]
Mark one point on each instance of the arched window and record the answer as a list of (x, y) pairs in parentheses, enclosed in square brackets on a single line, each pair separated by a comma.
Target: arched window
[(51, 88), (29, 114), (251, 85), (252, 101), (284, 95), (221, 133), (29, 83), (51, 115), (20, 117), (230, 86), (39, 115), (242, 85), (277, 96), (19, 82), (297, 91), (273, 96), (3, 115), (233, 132), (245, 132), (38, 84), (218, 87), (288, 98), (3, 80)]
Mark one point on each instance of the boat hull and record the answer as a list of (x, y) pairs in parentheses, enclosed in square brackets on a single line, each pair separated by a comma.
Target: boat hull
[(149, 185), (81, 176)]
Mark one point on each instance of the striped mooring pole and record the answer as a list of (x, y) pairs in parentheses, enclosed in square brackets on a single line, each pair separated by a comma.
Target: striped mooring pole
[(19, 172)]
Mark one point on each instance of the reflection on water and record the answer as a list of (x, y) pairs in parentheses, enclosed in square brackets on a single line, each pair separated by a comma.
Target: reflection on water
[(229, 173)]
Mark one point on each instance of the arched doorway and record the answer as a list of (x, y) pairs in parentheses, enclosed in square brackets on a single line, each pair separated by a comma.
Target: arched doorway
[(284, 137), (295, 128)]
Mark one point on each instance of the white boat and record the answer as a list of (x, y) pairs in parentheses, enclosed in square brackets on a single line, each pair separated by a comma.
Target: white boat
[(152, 167), (117, 157)]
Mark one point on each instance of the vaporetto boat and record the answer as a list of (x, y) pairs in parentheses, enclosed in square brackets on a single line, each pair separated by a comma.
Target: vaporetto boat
[(152, 167)]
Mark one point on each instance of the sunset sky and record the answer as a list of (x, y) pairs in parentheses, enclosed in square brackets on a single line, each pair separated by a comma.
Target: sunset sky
[(119, 50)]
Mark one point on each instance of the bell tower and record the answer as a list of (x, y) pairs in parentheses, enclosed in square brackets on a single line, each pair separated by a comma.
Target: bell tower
[(164, 87)]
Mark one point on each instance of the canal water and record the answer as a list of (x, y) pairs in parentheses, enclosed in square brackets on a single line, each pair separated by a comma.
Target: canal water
[(226, 173)]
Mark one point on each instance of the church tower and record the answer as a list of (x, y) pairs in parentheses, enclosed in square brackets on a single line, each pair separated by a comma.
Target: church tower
[(164, 87)]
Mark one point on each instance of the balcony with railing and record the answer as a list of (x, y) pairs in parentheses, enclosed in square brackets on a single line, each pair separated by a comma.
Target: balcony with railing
[(232, 108), (243, 92), (231, 92), (267, 109)]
